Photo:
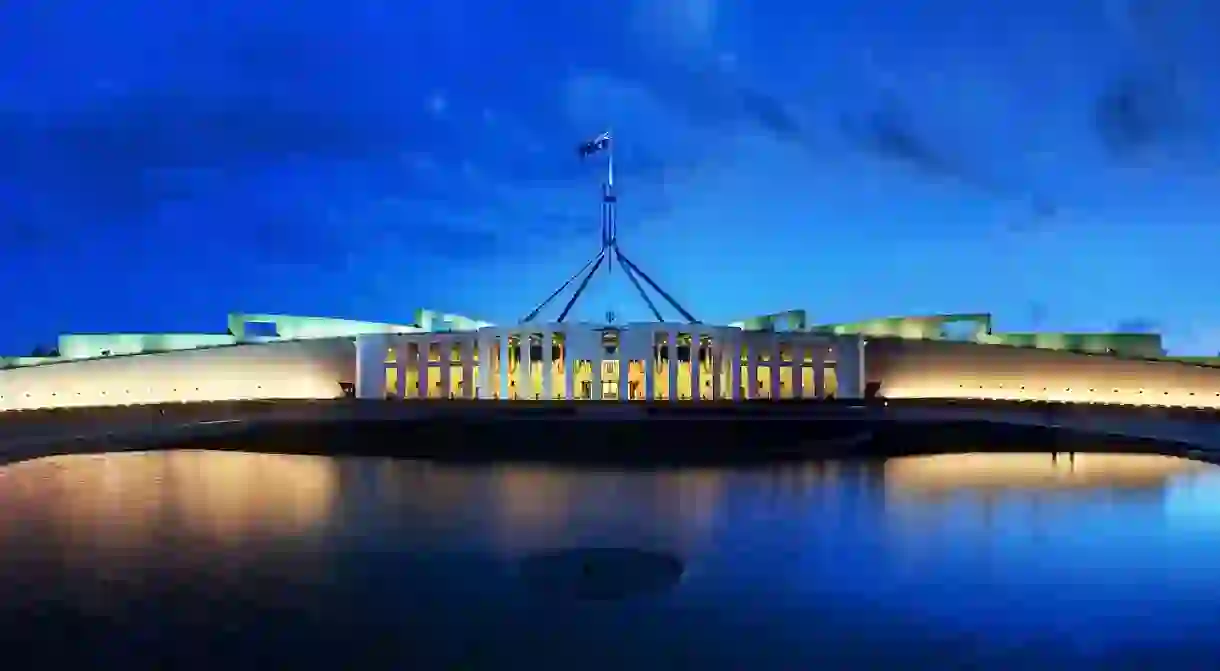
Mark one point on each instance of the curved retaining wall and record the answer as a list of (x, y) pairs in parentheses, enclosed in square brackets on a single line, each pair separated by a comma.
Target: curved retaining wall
[(315, 369), (283, 370), (932, 369)]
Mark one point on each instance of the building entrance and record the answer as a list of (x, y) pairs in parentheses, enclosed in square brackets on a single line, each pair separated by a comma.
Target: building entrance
[(610, 382)]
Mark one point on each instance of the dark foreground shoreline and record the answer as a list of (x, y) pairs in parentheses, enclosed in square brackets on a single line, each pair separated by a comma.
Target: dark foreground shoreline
[(668, 444), (619, 443)]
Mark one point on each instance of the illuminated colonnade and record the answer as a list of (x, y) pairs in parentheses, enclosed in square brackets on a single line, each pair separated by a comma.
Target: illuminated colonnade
[(642, 361)]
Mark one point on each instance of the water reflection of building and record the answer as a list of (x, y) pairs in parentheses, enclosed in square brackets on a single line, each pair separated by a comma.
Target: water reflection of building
[(134, 502), (821, 480), (992, 473), (235, 495), (415, 489), (537, 508), (955, 488)]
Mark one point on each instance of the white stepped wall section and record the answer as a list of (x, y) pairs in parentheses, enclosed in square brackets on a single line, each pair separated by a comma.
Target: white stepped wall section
[(281, 370)]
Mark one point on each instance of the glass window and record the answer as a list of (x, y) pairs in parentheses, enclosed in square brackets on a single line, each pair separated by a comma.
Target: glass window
[(262, 330), (959, 330)]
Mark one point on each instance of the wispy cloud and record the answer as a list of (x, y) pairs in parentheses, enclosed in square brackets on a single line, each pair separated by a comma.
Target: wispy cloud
[(365, 141)]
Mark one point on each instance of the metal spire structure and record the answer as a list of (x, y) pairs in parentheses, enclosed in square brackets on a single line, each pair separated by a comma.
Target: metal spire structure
[(610, 251)]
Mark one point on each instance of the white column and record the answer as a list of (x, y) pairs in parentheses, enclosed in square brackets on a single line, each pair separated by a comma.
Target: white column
[(548, 363), (502, 378), (400, 368), (671, 350), (849, 367), (486, 379), (446, 347), (648, 338), (640, 338), (371, 353), (404, 364), (751, 365), (467, 357), (776, 365), (861, 365), (733, 347), (716, 354), (525, 387), (624, 361), (798, 368), (593, 346), (819, 370), (569, 364), (696, 338), (634, 338), (425, 365), (579, 345), (409, 364)]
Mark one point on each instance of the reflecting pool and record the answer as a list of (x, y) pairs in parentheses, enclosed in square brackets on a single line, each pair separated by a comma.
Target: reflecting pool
[(195, 559)]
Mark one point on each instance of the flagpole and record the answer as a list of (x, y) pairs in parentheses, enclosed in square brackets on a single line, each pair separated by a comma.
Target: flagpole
[(609, 252), (608, 207), (610, 163)]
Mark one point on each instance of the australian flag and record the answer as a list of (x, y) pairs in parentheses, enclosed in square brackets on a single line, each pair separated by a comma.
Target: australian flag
[(595, 145)]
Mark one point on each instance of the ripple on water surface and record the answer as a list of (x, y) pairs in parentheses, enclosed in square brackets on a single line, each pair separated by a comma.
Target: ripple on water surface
[(197, 559)]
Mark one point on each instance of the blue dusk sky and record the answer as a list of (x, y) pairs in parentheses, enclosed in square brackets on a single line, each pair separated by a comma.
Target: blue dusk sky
[(1055, 163)]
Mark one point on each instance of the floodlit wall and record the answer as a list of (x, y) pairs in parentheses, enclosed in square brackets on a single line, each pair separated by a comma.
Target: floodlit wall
[(288, 327), (978, 328), (792, 320), (431, 320), (933, 369), (286, 370), (955, 327), (90, 345), (11, 361), (1125, 344)]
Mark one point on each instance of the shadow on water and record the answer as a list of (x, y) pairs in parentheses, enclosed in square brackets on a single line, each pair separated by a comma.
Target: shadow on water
[(600, 574), (206, 559)]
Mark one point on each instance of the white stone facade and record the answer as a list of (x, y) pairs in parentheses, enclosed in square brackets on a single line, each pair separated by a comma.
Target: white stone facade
[(596, 362)]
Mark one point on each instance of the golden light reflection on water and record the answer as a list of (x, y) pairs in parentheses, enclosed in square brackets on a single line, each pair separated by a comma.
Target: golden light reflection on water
[(116, 503), (219, 503), (772, 541), (691, 509), (520, 508), (537, 507), (937, 475), (1028, 492)]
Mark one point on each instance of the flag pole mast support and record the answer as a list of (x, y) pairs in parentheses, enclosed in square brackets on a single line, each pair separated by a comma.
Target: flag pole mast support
[(609, 251)]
